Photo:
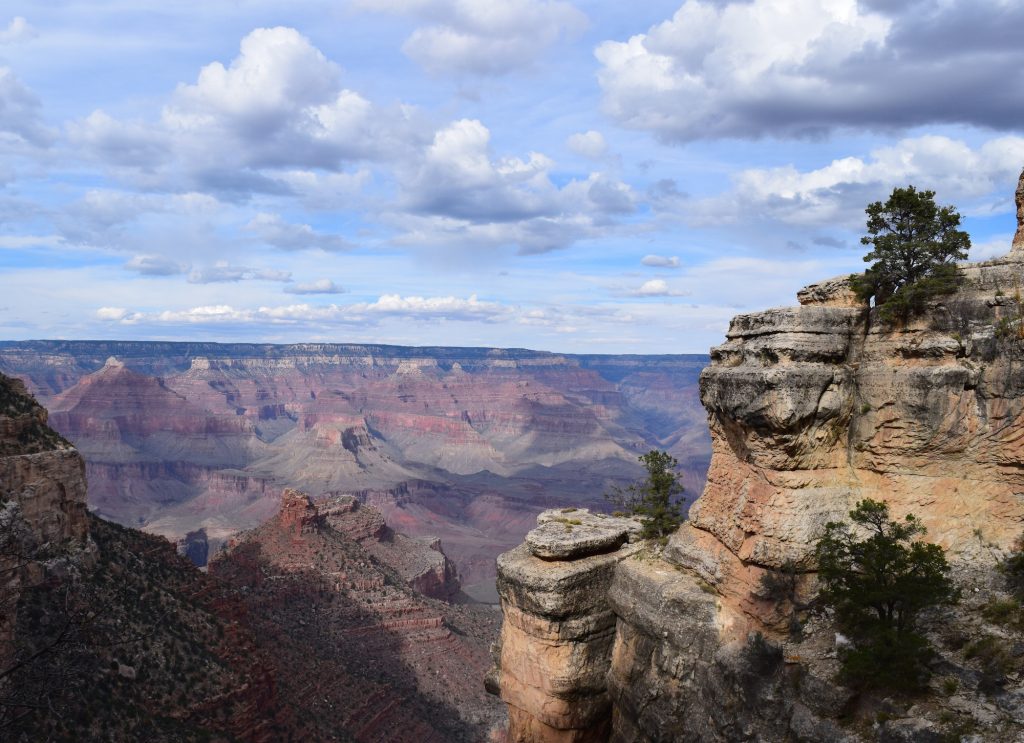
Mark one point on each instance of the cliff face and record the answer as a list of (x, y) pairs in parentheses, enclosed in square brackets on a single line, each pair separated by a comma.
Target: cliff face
[(357, 652), (811, 409)]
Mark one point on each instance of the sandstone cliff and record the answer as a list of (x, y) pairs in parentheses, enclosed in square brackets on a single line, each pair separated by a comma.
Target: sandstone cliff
[(811, 409)]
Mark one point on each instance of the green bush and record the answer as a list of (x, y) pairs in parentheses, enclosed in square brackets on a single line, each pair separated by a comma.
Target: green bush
[(655, 498), (915, 246), (877, 587)]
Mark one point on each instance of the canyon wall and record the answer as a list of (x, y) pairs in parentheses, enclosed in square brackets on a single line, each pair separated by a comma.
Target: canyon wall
[(811, 408), (467, 445)]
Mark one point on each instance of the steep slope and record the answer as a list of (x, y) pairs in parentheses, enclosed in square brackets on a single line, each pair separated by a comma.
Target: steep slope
[(106, 633), (356, 651)]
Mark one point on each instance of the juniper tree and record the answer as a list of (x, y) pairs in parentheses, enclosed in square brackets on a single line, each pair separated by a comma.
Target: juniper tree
[(915, 245), (877, 587), (655, 498)]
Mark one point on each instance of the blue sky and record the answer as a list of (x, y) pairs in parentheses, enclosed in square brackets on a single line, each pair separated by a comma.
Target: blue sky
[(579, 177)]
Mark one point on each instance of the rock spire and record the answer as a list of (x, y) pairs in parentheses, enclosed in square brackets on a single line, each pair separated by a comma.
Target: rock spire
[(1018, 239)]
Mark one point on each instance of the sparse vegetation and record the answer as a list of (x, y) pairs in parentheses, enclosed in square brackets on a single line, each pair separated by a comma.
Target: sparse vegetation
[(877, 587), (914, 248), (655, 499)]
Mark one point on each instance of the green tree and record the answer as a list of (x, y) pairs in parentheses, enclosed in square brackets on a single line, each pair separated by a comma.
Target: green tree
[(655, 498), (915, 246), (877, 587)]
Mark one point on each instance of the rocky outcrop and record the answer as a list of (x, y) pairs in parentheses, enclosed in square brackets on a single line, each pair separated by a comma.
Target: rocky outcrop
[(811, 408), (43, 518), (556, 642), (1018, 238), (359, 655), (421, 562)]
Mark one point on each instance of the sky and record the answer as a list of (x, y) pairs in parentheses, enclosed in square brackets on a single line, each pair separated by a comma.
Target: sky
[(580, 177)]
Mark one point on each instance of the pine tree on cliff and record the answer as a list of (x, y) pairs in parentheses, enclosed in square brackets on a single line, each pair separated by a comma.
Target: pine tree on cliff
[(654, 499), (915, 246), (877, 587)]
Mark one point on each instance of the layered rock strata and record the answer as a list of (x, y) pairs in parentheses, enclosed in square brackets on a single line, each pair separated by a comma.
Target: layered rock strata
[(555, 646), (465, 444), (1018, 238), (811, 409)]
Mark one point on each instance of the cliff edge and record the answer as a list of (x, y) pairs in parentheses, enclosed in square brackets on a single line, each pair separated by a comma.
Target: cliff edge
[(811, 409)]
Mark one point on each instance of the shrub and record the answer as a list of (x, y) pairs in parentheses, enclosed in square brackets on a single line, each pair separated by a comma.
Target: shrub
[(877, 587), (655, 498)]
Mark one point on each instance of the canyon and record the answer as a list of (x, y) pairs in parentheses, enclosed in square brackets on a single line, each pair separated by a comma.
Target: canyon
[(318, 624), (465, 445), (811, 409)]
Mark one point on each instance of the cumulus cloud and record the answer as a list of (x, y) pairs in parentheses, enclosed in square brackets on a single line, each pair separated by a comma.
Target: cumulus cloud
[(588, 144), (655, 288), (17, 30), (114, 314), (119, 142), (482, 37), (459, 193), (660, 261), (838, 192), (222, 271), (155, 265), (320, 286), (273, 230), (277, 110), (100, 215), (21, 113), (803, 67)]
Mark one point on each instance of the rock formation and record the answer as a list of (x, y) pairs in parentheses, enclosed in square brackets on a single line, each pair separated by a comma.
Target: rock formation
[(357, 653), (1018, 238), (421, 562), (464, 444), (811, 409)]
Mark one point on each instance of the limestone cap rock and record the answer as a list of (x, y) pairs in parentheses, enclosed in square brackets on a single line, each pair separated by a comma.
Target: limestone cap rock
[(568, 534), (834, 292)]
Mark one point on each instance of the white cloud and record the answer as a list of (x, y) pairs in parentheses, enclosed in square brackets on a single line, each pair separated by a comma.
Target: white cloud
[(115, 314), (459, 193), (273, 230), (222, 271), (994, 247), (588, 144), (482, 37), (780, 68), (470, 309), (20, 113), (660, 261), (155, 265), (655, 288), (267, 122), (17, 30), (18, 242), (320, 286), (837, 193), (122, 143)]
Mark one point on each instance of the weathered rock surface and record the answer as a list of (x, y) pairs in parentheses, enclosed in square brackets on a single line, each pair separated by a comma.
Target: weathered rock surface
[(357, 654), (569, 533), (420, 561), (1018, 238), (811, 409)]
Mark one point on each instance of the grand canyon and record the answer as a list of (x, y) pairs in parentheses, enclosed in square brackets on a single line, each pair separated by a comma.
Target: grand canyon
[(464, 445)]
